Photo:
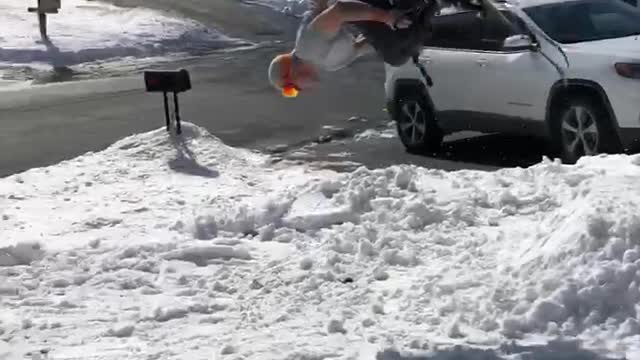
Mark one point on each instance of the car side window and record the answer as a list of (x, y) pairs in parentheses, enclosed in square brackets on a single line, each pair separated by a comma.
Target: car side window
[(468, 31), (455, 31), (495, 31)]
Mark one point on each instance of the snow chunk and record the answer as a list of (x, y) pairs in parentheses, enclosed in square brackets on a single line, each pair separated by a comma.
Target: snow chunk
[(320, 219), (598, 226), (397, 257), (163, 314), (94, 244), (133, 282), (368, 322), (205, 228), (546, 311), (630, 256), (60, 283), (343, 246), (377, 309), (267, 232), (418, 215), (211, 320), (200, 255), (336, 326), (80, 279), (67, 304), (330, 188), (100, 222), (366, 248), (55, 325), (380, 274), (313, 211), (121, 330), (228, 349), (23, 253), (629, 327), (453, 330), (9, 290), (306, 263), (403, 178), (27, 324)]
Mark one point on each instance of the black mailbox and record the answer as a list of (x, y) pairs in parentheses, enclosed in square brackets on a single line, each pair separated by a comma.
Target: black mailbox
[(167, 81)]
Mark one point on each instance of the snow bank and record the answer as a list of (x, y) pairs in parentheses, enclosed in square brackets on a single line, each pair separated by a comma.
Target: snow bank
[(179, 241), (97, 34)]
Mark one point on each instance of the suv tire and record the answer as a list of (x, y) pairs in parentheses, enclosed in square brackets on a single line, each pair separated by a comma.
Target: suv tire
[(415, 122), (582, 127)]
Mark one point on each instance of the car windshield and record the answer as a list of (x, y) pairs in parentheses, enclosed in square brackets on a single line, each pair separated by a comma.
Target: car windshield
[(586, 20)]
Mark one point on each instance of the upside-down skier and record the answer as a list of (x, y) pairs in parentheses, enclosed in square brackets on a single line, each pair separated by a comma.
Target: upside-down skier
[(393, 29)]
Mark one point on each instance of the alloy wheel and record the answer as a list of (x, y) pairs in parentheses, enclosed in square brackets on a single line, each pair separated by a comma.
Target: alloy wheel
[(413, 124), (580, 135)]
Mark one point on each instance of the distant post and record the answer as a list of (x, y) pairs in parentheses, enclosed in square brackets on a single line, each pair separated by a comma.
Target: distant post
[(45, 7)]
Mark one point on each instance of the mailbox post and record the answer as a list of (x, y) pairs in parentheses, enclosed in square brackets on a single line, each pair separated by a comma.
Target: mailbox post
[(166, 82), (45, 7)]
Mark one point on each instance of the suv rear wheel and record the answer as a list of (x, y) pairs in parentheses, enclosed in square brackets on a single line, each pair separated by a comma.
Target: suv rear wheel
[(416, 123), (584, 128)]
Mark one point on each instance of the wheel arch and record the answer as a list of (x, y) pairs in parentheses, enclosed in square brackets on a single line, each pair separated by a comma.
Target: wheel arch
[(432, 136), (561, 90)]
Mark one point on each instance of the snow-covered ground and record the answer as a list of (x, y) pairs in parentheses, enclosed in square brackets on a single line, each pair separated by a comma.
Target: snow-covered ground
[(96, 35), (167, 248)]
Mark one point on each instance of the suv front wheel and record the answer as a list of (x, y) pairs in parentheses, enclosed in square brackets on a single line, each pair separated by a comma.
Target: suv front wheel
[(415, 122), (584, 128)]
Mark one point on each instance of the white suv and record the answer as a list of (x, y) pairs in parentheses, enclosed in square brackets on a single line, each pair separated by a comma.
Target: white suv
[(567, 70)]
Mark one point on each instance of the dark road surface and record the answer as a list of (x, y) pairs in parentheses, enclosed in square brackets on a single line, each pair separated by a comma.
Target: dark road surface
[(231, 97)]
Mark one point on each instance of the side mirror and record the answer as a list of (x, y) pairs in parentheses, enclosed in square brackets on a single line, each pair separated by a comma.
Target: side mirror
[(520, 42)]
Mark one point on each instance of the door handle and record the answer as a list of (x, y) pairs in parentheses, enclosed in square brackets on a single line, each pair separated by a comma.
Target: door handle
[(426, 59), (482, 62)]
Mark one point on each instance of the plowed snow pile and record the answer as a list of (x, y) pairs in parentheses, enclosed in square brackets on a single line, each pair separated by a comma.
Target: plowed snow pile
[(93, 37), (161, 248)]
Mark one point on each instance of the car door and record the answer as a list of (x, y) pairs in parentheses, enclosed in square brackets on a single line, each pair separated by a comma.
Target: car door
[(519, 80), (448, 59)]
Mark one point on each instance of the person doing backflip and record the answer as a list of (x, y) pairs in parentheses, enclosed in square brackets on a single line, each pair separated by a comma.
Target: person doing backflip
[(324, 42)]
